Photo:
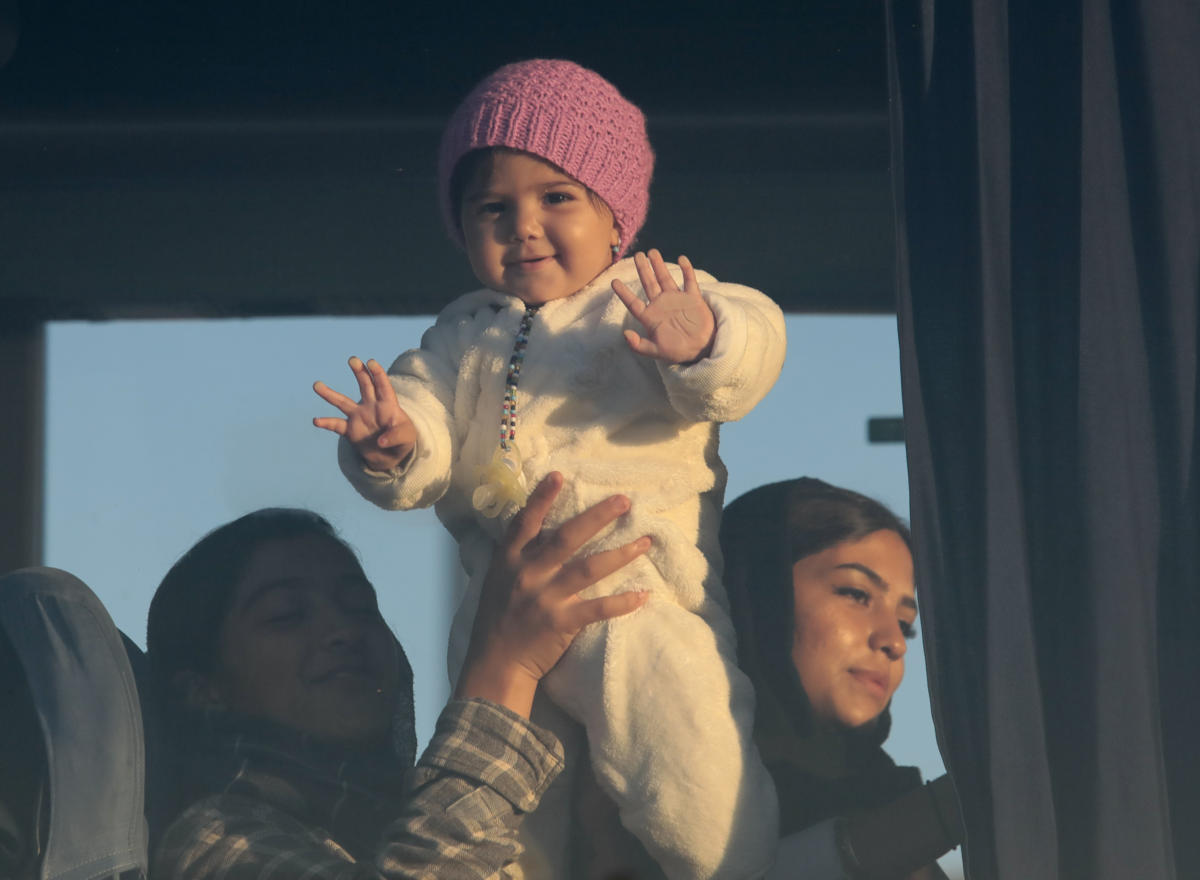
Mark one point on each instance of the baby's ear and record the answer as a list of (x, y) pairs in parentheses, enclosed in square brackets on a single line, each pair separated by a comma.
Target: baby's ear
[(198, 691), (614, 236)]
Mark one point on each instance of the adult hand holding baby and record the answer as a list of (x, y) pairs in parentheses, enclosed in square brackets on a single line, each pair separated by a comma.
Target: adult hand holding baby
[(680, 326), (378, 428), (530, 609)]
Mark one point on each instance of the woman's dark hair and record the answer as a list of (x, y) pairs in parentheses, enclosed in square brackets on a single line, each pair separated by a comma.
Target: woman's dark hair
[(190, 604), (763, 534)]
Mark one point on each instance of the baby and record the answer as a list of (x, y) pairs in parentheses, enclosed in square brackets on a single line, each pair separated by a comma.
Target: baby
[(614, 372)]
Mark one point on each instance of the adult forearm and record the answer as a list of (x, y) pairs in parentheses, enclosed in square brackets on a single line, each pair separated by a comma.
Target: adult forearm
[(484, 769)]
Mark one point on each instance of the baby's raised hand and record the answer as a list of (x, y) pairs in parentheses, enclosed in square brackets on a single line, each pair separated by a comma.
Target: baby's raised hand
[(679, 324), (379, 429)]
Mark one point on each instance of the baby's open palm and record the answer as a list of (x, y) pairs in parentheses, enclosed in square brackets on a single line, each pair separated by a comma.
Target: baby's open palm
[(379, 429), (679, 325)]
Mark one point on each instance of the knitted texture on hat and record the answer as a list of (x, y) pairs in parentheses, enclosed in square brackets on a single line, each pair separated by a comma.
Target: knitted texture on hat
[(566, 114)]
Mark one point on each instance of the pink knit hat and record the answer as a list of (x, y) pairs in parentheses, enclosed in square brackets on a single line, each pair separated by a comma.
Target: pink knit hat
[(567, 115)]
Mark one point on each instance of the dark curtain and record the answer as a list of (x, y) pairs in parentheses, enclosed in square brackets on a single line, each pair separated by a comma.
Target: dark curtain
[(1046, 158)]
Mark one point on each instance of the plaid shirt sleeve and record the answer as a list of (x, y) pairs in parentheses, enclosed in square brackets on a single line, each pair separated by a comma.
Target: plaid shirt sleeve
[(483, 769)]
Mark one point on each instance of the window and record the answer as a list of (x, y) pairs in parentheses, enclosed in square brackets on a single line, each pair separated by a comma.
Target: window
[(160, 431)]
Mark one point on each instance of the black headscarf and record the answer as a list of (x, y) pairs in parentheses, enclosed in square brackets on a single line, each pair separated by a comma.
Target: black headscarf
[(819, 771)]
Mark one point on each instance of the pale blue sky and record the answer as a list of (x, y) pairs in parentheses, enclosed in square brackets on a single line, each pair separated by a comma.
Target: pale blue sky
[(159, 431)]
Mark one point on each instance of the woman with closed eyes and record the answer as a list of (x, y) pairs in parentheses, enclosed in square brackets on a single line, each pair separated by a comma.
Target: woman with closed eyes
[(288, 707)]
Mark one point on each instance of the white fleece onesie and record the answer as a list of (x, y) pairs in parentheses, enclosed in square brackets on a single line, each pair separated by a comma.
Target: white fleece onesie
[(667, 712)]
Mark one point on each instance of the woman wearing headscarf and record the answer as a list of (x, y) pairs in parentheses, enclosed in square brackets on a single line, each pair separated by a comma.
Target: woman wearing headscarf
[(289, 704), (820, 583)]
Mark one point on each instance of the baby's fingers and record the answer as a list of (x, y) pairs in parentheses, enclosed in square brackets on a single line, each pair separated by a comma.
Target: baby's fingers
[(646, 275), (662, 275), (341, 401), (366, 391), (690, 284), (604, 608), (392, 437), (641, 345), (332, 423), (398, 430), (632, 301), (381, 386)]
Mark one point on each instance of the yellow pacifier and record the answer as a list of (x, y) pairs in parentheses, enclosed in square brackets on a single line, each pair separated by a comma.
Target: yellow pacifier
[(501, 483)]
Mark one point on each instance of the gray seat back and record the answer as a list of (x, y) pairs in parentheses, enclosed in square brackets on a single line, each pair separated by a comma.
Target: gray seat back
[(85, 704)]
